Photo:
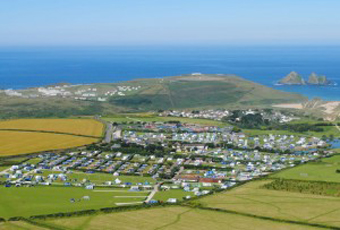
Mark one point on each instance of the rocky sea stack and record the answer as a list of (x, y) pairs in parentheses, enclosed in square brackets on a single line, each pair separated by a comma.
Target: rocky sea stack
[(314, 79), (294, 78)]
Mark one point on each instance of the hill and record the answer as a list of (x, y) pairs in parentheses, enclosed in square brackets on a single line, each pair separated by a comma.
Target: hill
[(202, 91), (186, 91)]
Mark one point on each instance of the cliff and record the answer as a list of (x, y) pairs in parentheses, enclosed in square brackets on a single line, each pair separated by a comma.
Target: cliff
[(292, 78)]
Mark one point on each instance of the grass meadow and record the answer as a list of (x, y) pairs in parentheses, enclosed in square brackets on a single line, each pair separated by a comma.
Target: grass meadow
[(252, 199), (28, 201), (325, 170), (168, 218), (19, 225)]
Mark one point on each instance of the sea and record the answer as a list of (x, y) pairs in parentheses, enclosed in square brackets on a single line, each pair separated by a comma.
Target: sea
[(23, 67)]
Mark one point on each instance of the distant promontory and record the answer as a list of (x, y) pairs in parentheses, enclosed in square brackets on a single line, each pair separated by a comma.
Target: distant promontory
[(294, 78)]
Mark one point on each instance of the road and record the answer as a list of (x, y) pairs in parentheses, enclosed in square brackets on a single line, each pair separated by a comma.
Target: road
[(154, 191), (108, 134), (112, 132)]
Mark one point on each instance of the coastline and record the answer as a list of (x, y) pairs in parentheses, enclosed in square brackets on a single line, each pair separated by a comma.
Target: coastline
[(117, 64)]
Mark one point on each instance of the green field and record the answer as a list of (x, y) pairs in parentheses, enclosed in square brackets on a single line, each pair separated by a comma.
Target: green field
[(302, 186), (205, 91), (314, 171), (134, 118), (19, 225), (181, 218), (2, 168), (182, 92), (252, 199), (25, 201), (334, 159)]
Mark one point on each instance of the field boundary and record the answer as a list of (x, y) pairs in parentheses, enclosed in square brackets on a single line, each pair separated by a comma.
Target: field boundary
[(267, 218), (34, 220)]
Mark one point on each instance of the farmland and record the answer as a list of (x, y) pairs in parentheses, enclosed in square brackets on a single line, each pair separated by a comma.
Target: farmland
[(14, 225), (324, 170), (169, 218), (308, 187), (87, 127), (252, 199), (142, 164), (15, 143), (24, 136), (43, 200)]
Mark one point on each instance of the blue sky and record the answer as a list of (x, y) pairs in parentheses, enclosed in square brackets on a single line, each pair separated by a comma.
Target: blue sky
[(147, 22)]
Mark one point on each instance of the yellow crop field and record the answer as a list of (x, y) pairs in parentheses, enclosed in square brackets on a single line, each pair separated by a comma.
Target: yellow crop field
[(88, 127), (14, 143)]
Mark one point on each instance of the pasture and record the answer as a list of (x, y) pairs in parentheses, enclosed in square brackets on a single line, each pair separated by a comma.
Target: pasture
[(312, 172), (88, 127), (15, 143), (19, 225), (28, 201), (168, 218), (252, 199), (325, 170)]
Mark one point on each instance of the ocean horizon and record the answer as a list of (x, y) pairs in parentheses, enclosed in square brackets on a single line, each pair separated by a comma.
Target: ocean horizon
[(23, 67)]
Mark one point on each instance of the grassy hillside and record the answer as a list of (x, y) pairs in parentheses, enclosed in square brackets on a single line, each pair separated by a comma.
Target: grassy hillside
[(203, 91), (187, 91)]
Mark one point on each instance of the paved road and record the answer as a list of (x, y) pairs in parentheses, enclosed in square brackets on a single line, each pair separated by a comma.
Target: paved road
[(108, 134), (112, 132)]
